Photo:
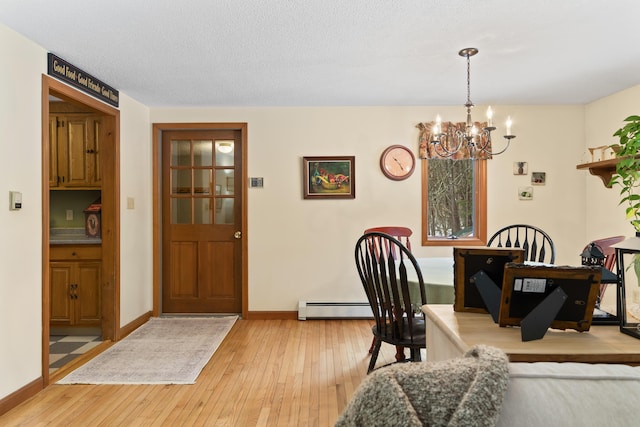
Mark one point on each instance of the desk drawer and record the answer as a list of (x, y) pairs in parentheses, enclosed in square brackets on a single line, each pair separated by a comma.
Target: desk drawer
[(74, 252)]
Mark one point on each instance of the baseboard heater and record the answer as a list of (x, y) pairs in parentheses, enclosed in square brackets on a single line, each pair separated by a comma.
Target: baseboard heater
[(334, 310)]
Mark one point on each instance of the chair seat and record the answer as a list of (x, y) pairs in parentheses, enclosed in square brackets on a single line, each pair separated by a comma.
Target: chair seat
[(419, 334)]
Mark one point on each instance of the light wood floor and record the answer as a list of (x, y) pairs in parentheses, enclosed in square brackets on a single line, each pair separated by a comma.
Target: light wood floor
[(265, 373)]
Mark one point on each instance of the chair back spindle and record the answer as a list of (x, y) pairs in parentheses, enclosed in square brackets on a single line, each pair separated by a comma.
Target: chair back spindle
[(537, 244)]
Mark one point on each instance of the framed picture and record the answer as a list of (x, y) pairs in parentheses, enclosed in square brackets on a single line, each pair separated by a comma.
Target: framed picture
[(525, 193), (525, 287), (470, 260), (329, 177), (538, 178), (520, 168)]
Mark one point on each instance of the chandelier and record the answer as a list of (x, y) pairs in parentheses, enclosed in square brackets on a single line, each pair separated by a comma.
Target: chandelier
[(449, 139)]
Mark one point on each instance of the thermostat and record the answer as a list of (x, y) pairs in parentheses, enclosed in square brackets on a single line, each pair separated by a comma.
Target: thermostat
[(15, 200)]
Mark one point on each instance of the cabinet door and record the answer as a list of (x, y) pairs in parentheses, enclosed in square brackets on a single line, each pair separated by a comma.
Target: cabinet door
[(61, 302), (53, 151), (77, 135), (75, 150), (88, 308)]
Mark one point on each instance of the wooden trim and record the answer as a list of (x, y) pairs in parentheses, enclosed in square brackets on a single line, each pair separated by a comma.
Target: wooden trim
[(80, 360), (110, 211), (156, 132), (46, 297), (17, 397), (480, 239), (271, 315), (135, 324)]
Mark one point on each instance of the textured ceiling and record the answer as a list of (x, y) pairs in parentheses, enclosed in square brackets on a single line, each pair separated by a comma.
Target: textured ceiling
[(170, 53)]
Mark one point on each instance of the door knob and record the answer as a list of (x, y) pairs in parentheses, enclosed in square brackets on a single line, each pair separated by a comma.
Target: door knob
[(237, 234)]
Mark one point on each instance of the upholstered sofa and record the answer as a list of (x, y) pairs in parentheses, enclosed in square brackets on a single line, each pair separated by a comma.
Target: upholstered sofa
[(571, 394), (484, 389)]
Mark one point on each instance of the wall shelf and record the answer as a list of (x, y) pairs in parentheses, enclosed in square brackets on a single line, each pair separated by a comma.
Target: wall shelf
[(605, 169)]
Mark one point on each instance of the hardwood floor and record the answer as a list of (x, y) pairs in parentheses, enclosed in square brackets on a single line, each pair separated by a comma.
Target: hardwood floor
[(265, 373)]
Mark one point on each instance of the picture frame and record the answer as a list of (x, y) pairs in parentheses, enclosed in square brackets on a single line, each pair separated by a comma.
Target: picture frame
[(520, 168), (525, 193), (470, 260), (329, 177), (525, 287), (538, 178)]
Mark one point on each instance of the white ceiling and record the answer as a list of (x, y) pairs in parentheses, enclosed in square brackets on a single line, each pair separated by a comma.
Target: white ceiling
[(171, 53)]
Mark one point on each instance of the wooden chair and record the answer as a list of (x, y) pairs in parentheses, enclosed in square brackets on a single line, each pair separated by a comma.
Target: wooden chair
[(537, 244), (605, 246), (402, 234), (384, 278)]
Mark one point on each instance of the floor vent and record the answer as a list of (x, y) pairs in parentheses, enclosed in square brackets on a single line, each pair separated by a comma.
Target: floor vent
[(334, 310)]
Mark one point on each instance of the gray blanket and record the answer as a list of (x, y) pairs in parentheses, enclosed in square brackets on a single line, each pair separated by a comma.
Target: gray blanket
[(467, 391)]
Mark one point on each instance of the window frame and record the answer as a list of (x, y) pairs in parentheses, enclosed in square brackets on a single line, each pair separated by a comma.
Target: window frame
[(480, 210)]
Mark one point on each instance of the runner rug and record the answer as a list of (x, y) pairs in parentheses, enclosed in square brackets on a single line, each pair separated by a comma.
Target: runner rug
[(162, 351)]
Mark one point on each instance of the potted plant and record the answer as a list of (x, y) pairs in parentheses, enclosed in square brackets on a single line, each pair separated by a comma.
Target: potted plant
[(627, 174)]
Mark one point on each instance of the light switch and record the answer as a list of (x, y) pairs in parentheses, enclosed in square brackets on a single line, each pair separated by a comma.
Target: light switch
[(15, 200), (130, 203), (69, 215)]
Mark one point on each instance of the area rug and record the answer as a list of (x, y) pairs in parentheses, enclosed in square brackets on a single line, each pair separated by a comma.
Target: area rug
[(162, 351)]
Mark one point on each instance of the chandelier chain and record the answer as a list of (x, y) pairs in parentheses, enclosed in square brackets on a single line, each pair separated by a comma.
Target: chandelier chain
[(469, 80)]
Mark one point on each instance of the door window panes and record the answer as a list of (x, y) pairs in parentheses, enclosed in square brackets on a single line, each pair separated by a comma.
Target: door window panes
[(181, 181), (203, 153), (225, 153), (202, 211), (225, 214), (181, 211), (226, 179), (180, 153), (202, 181)]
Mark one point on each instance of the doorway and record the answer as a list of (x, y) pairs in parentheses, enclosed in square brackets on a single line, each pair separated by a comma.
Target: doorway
[(102, 272), (201, 250)]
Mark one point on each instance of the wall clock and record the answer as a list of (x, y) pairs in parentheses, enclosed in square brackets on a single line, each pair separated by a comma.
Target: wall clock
[(397, 162)]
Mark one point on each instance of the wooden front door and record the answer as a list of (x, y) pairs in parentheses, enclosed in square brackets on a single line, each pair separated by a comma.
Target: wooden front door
[(201, 221)]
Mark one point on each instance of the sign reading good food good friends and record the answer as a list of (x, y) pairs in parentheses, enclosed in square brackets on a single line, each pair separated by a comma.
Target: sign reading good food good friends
[(86, 82)]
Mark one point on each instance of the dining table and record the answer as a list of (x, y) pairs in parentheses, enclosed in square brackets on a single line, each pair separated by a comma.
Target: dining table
[(437, 275)]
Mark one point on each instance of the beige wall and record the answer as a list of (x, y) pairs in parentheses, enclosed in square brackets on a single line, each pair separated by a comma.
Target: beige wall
[(303, 249), (298, 249), (21, 231), (604, 217)]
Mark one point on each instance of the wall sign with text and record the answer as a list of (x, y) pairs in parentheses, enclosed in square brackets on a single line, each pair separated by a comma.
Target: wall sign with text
[(73, 75)]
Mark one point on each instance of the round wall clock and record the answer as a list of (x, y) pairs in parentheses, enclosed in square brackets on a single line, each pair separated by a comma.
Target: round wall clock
[(397, 162)]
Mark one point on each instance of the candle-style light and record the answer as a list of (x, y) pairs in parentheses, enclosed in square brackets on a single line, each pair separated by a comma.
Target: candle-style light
[(470, 137)]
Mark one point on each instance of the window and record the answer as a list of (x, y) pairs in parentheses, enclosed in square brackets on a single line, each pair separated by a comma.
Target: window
[(454, 202)]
